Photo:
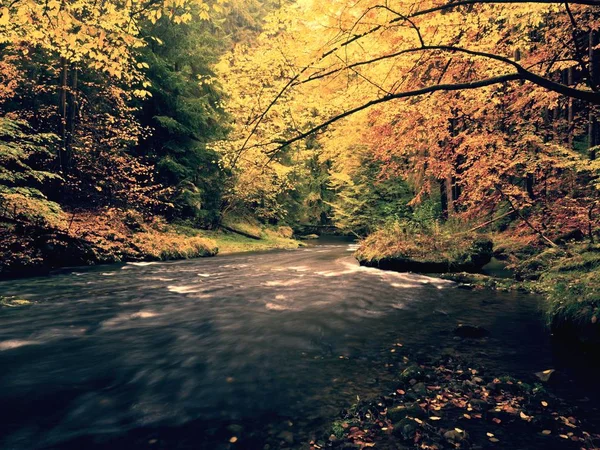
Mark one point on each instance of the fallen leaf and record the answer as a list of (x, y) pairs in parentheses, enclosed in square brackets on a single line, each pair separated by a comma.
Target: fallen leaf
[(524, 416), (490, 434), (494, 440), (496, 420), (564, 436), (546, 432), (544, 404), (233, 439), (545, 375), (435, 418)]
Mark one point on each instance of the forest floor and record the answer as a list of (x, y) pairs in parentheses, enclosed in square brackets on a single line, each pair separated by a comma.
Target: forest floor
[(448, 403), (112, 235)]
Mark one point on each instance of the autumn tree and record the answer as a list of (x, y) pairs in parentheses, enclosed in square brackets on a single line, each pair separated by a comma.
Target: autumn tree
[(455, 93)]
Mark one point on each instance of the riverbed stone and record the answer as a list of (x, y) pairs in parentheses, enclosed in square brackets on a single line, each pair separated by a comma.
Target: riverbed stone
[(406, 429), (420, 388), (455, 436), (286, 436), (470, 331), (412, 372)]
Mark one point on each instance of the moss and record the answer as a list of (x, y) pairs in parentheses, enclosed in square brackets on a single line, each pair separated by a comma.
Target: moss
[(338, 428), (480, 281), (113, 235), (395, 248), (235, 243)]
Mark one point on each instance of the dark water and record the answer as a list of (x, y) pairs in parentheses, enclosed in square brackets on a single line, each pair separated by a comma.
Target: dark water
[(262, 347)]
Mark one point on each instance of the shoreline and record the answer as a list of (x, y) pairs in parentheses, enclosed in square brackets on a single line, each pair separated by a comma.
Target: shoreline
[(113, 236)]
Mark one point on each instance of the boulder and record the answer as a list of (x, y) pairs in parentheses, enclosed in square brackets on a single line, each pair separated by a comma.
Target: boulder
[(470, 331)]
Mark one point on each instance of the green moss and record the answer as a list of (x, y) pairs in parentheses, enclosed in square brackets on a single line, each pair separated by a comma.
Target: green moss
[(437, 250), (480, 281), (229, 242), (337, 429)]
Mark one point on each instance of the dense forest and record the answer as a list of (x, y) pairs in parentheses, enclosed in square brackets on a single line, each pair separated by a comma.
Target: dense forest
[(148, 131), (446, 137)]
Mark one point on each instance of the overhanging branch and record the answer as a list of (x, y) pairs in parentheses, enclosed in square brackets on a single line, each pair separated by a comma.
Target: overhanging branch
[(399, 95)]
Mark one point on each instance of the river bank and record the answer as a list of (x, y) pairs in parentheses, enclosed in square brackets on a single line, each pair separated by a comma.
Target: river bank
[(261, 348), (112, 235), (449, 403), (566, 274)]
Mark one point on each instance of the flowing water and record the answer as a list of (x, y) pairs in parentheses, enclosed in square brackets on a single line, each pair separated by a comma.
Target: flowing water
[(261, 346)]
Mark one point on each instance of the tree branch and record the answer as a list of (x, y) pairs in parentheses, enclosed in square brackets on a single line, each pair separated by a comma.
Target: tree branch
[(387, 98)]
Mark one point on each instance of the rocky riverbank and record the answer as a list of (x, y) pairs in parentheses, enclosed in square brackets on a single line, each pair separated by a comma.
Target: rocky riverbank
[(449, 404), (396, 249), (113, 235), (567, 275)]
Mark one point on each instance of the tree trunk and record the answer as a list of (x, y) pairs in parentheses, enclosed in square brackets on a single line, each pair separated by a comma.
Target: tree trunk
[(571, 114), (450, 194), (62, 126), (443, 199), (72, 113), (594, 77), (529, 183)]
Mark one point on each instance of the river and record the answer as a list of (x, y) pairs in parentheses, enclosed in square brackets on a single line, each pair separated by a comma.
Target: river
[(247, 347)]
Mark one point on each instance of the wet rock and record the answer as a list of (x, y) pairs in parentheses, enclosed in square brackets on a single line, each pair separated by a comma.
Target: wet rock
[(470, 331), (420, 389), (400, 412), (480, 405), (455, 436), (286, 436), (308, 237), (406, 429), (413, 372), (397, 413), (235, 429)]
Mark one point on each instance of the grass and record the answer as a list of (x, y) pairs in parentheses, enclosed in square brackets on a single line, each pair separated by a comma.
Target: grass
[(171, 245), (434, 246), (113, 235), (570, 281), (229, 242)]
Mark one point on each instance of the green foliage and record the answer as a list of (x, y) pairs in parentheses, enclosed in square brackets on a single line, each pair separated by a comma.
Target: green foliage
[(338, 429), (365, 203), (308, 201), (24, 156), (570, 281), (184, 114)]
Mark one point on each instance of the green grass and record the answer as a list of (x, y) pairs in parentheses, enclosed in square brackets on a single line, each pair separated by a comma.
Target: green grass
[(229, 242), (569, 279), (438, 245), (571, 284)]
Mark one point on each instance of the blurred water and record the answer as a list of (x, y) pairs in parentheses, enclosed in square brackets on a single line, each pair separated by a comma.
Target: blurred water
[(188, 354)]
